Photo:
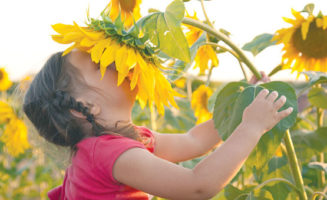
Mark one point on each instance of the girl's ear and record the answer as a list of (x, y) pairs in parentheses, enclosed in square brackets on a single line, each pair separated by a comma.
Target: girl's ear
[(93, 109)]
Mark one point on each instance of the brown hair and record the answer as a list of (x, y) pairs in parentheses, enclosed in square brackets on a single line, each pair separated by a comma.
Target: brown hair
[(48, 102)]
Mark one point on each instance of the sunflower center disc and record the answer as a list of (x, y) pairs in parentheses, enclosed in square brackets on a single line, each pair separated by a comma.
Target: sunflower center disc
[(1, 74), (315, 45), (127, 5)]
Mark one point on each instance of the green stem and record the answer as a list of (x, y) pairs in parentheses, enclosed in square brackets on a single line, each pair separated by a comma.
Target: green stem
[(231, 52), (205, 14), (320, 156), (275, 70), (189, 87), (209, 75), (226, 40), (279, 180), (315, 194), (294, 165)]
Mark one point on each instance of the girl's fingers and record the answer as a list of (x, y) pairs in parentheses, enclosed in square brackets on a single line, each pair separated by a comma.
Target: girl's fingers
[(285, 113), (272, 96), (263, 93), (280, 102)]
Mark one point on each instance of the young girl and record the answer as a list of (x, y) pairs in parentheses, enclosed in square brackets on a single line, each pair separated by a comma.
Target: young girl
[(114, 159)]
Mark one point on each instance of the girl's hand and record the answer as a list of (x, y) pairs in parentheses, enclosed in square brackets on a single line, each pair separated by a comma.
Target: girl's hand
[(264, 78), (262, 114)]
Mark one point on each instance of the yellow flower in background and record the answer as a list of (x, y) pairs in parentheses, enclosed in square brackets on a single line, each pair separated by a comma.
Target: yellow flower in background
[(129, 9), (143, 72), (5, 82), (180, 83), (6, 112), (205, 55), (15, 137), (199, 103), (305, 46)]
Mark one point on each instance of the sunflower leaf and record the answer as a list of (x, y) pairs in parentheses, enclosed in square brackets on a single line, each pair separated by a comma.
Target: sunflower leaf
[(164, 31), (316, 77), (180, 65), (177, 9), (230, 104), (318, 97), (259, 43), (308, 8)]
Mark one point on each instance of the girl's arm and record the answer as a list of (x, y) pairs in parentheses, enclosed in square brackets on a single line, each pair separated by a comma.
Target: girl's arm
[(198, 141), (142, 170), (180, 147)]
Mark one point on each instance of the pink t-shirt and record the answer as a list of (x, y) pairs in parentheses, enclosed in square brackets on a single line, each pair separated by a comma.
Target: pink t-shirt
[(90, 174)]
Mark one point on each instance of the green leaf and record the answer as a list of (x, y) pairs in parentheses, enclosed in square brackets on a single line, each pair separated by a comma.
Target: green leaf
[(318, 97), (164, 31), (308, 8), (224, 107), (259, 43), (279, 190), (180, 65), (276, 163), (318, 165), (228, 111), (316, 140), (316, 77), (176, 9)]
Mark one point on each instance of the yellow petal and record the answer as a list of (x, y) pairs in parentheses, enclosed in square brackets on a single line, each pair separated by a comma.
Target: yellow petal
[(131, 60), (108, 57), (324, 22), (69, 49), (136, 72), (121, 66), (97, 50), (305, 29), (63, 28), (60, 39)]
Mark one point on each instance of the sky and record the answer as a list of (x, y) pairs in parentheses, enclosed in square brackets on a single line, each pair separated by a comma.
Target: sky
[(25, 34)]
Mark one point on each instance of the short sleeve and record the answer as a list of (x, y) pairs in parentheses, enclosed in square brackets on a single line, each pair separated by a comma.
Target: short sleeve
[(106, 151)]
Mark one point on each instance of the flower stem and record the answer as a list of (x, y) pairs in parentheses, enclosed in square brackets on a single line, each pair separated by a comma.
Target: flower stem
[(320, 156), (209, 75), (294, 165), (275, 70), (231, 52), (205, 14), (226, 40)]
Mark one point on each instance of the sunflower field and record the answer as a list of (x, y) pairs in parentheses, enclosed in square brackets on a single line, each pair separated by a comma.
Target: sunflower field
[(288, 163)]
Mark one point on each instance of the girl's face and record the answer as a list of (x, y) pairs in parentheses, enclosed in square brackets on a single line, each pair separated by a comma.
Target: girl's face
[(118, 97)]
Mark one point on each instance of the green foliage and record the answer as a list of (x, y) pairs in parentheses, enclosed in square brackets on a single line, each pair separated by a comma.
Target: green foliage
[(230, 104), (259, 43), (318, 97), (181, 66), (163, 29)]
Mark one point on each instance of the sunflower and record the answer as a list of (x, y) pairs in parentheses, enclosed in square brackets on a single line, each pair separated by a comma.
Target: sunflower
[(199, 103), (15, 137), (129, 10), (305, 46), (6, 112), (180, 83), (205, 53), (107, 43), (5, 82)]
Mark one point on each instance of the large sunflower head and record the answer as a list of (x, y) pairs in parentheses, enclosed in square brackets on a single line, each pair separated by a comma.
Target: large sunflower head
[(5, 82), (206, 55), (108, 42), (199, 103), (128, 9), (305, 46)]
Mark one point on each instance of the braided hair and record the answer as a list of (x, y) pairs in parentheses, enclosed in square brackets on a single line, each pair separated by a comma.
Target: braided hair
[(48, 102)]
